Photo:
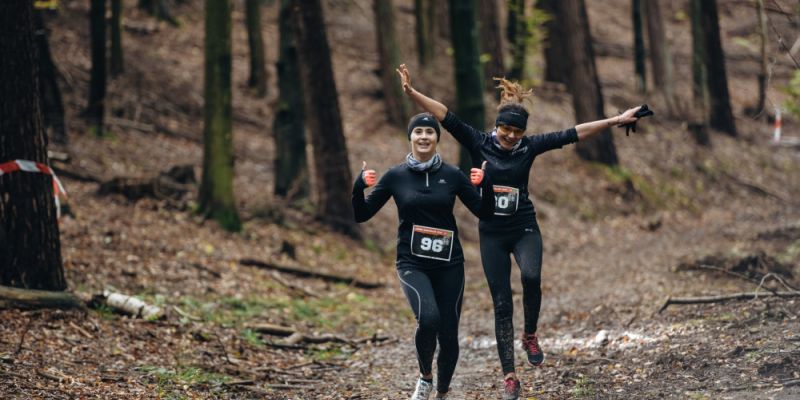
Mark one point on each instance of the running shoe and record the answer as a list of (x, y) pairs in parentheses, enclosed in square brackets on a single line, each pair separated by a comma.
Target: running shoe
[(511, 389), (531, 344), (423, 390)]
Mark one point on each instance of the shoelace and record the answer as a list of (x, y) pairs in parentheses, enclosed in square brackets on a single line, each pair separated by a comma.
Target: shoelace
[(531, 343)]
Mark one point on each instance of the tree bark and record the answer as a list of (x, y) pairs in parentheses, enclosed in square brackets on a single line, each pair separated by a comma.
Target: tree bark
[(425, 16), (556, 66), (216, 200), (397, 105), (30, 247), (660, 54), (258, 71), (721, 114), (469, 88), (291, 168), (517, 34), (491, 43), (584, 83), (51, 101), (638, 46), (331, 165), (97, 83), (117, 66), (762, 74)]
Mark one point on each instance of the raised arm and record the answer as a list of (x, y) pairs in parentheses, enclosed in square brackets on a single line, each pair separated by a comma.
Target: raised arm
[(480, 203), (364, 209), (589, 129), (428, 104)]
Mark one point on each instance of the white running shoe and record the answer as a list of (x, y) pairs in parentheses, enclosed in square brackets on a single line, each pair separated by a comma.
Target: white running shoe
[(422, 391)]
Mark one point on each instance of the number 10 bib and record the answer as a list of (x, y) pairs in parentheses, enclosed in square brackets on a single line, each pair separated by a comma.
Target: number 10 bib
[(432, 243), (506, 199)]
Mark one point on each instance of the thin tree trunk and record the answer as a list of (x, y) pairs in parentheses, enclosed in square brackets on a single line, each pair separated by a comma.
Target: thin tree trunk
[(638, 46), (762, 74), (660, 54), (216, 200), (291, 168), (397, 105), (331, 165), (469, 88), (52, 104), (721, 114), (556, 66), (491, 42), (97, 83), (117, 66), (698, 119), (30, 248), (424, 16), (584, 84), (517, 34), (258, 71)]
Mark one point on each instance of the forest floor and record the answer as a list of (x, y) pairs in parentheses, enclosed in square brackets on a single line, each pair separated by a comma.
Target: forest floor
[(672, 220)]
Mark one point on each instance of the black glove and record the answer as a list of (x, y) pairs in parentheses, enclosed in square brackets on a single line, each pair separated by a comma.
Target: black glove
[(641, 113)]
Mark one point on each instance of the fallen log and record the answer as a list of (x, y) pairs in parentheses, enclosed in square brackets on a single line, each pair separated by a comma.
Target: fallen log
[(171, 184), (128, 305), (722, 298), (304, 273), (270, 329), (11, 297)]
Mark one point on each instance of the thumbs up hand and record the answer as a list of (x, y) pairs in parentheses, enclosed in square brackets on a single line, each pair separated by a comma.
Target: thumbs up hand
[(369, 175), (476, 174)]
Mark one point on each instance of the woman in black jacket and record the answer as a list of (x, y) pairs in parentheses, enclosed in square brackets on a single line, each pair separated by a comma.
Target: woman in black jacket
[(430, 262)]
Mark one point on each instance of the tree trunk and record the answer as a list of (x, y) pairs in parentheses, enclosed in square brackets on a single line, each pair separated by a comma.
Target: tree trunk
[(117, 66), (556, 67), (698, 118), (258, 71), (397, 105), (424, 16), (491, 43), (331, 165), (216, 198), (638, 46), (97, 83), (660, 55), (517, 34), (721, 115), (291, 169), (158, 9), (469, 88), (30, 248), (584, 84), (762, 74), (51, 102)]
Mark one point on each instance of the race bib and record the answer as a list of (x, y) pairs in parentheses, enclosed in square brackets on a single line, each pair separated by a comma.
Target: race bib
[(432, 243), (506, 199)]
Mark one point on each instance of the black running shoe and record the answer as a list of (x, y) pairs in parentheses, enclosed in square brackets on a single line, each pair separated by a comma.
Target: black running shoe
[(511, 389), (531, 344)]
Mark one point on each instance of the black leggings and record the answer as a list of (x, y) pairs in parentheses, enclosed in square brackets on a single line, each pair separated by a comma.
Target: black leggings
[(526, 245), (435, 297)]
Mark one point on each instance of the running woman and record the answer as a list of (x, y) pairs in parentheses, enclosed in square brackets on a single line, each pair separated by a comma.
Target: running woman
[(514, 229), (430, 262)]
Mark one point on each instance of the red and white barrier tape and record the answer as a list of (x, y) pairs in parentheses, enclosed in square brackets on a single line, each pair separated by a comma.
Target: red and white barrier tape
[(32, 166), (776, 136)]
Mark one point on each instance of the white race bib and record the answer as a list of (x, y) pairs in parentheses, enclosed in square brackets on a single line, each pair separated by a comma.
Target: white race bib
[(506, 200), (432, 243)]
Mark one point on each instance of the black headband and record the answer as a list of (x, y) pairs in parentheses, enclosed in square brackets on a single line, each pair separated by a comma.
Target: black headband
[(424, 119), (512, 118)]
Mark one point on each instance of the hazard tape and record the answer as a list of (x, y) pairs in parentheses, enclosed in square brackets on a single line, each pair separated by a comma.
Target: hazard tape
[(776, 135), (35, 167)]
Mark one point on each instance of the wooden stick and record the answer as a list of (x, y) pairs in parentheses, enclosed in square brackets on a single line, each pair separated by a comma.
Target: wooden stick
[(310, 274), (270, 329), (83, 332), (277, 277), (11, 297), (722, 298)]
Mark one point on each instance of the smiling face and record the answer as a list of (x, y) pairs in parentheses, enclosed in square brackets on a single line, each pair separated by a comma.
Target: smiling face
[(423, 142), (508, 136)]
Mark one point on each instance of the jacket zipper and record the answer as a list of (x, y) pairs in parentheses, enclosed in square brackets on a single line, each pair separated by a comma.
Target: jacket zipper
[(426, 180)]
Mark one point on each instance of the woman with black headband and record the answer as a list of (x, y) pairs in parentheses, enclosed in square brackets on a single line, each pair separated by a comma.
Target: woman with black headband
[(430, 262), (514, 229)]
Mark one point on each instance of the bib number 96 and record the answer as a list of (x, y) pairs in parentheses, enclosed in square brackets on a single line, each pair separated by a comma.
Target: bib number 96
[(435, 243)]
